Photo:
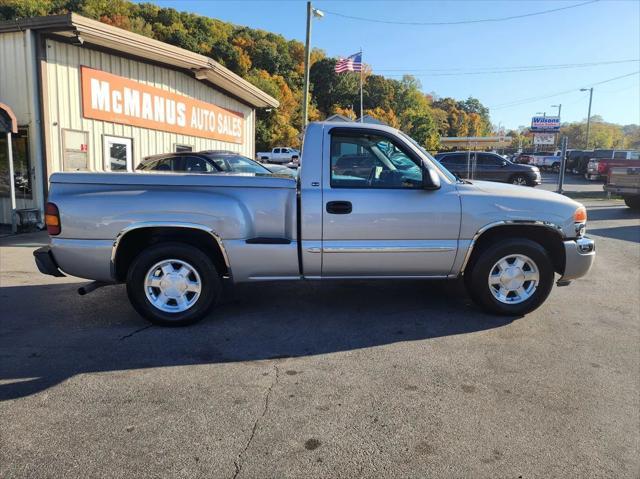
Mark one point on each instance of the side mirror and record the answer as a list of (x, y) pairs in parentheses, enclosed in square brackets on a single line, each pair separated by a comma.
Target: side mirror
[(430, 179)]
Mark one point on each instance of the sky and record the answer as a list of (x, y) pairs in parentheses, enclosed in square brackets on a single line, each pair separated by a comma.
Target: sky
[(453, 60)]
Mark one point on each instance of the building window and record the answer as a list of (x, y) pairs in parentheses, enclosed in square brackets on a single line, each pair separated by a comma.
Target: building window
[(182, 148), (21, 165), (118, 153), (75, 150)]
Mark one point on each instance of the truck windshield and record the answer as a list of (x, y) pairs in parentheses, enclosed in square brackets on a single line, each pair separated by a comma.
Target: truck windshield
[(435, 162)]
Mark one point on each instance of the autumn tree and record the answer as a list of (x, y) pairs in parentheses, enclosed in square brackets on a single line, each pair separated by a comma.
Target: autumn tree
[(276, 65)]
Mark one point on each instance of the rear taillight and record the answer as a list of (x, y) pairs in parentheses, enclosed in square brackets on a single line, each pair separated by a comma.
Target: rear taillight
[(602, 167), (52, 219)]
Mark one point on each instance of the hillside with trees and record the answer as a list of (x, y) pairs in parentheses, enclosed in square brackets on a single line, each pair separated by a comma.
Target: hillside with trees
[(276, 65)]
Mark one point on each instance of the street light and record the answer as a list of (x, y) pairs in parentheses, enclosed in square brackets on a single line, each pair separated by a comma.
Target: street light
[(311, 12), (590, 90)]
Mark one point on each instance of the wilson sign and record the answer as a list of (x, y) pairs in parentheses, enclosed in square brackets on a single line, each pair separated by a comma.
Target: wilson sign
[(117, 99), (545, 123)]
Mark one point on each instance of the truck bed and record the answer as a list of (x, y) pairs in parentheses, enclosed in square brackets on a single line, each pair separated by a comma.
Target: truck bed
[(244, 211)]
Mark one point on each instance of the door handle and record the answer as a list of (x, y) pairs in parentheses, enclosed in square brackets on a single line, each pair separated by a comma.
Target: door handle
[(339, 207)]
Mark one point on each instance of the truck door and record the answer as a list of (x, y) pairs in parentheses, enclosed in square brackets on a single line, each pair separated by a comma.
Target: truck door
[(377, 218)]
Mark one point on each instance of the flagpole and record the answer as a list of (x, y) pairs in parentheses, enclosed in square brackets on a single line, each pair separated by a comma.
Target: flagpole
[(361, 71)]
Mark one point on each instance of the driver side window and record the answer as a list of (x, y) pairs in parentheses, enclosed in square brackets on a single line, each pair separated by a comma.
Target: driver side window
[(364, 160)]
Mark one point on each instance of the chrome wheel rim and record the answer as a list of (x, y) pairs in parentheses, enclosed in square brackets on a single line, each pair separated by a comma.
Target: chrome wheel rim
[(514, 279), (519, 180), (172, 285)]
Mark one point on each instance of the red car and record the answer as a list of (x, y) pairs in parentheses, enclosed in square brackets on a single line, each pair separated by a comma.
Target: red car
[(598, 168)]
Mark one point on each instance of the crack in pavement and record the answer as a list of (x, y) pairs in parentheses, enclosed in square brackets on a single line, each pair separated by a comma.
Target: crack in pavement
[(136, 332), (239, 459)]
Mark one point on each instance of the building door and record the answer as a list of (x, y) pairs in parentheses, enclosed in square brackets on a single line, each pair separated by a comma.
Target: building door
[(118, 154)]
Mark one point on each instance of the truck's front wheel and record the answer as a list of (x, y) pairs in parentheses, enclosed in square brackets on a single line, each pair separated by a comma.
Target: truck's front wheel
[(512, 277), (173, 284)]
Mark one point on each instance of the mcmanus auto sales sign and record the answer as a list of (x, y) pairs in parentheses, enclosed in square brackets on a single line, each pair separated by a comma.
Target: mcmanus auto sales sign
[(545, 123), (117, 99)]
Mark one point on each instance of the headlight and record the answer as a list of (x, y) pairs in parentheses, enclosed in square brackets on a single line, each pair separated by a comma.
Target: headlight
[(580, 215), (580, 220)]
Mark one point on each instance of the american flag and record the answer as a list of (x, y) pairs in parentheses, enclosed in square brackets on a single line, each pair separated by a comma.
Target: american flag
[(352, 63)]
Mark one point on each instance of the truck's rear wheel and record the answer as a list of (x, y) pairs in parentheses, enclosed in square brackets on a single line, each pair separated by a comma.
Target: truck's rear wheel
[(512, 277), (173, 284)]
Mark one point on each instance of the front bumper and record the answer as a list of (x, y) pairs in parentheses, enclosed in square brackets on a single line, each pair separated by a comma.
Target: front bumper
[(46, 263), (579, 256)]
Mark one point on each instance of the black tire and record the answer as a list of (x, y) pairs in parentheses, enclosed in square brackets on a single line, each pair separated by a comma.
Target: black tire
[(632, 202), (555, 167), (477, 276), (519, 179), (210, 289)]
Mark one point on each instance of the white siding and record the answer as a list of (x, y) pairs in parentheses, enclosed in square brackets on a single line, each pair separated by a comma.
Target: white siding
[(18, 90), (13, 88), (65, 106)]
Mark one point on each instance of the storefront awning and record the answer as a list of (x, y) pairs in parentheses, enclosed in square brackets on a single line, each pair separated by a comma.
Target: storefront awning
[(8, 122), (471, 142)]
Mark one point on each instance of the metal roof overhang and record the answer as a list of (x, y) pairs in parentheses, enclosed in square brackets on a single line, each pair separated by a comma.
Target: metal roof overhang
[(485, 141), (84, 29)]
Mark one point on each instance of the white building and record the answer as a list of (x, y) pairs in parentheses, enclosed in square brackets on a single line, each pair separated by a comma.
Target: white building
[(92, 97)]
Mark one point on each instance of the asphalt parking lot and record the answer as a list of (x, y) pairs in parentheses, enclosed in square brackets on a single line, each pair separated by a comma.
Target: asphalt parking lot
[(364, 379)]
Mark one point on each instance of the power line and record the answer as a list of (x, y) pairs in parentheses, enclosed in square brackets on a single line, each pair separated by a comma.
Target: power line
[(459, 22), (533, 99), (487, 70)]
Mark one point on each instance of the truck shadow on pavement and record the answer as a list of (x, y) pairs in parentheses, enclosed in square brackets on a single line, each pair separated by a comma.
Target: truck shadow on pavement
[(625, 233), (51, 334)]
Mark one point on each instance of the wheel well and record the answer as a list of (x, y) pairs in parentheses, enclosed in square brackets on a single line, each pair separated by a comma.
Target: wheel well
[(547, 238), (135, 241)]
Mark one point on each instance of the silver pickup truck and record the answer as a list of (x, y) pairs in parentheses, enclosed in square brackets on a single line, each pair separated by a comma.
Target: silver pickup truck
[(369, 203)]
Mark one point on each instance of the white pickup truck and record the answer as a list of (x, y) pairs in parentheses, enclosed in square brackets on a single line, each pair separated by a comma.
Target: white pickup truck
[(369, 203), (546, 161), (281, 154)]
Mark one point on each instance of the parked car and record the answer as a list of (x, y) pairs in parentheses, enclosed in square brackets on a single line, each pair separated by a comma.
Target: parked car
[(279, 155), (625, 181), (599, 166), (207, 162), (173, 239), (282, 170), (523, 158), (546, 160), (577, 160), (489, 166)]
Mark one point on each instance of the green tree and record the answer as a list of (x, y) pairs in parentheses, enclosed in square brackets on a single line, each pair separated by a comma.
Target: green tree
[(276, 65)]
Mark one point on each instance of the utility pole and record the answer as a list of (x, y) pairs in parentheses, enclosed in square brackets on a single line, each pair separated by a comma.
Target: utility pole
[(590, 90), (307, 63), (361, 73), (563, 163), (559, 107)]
